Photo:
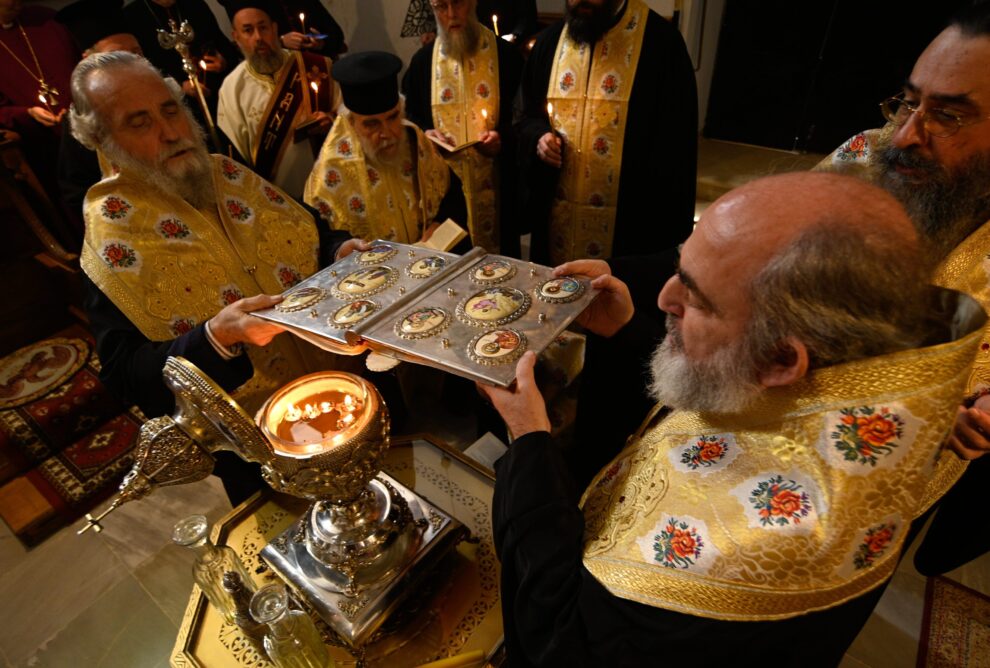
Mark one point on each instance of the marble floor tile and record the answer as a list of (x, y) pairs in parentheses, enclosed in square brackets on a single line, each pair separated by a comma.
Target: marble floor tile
[(12, 551), (123, 627), (53, 584), (852, 662), (975, 574), (890, 637), (137, 531), (167, 579)]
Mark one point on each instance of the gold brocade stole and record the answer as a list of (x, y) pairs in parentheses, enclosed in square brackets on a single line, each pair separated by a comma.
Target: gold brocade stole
[(965, 269), (169, 267), (801, 504), (460, 91), (590, 95), (373, 203), (289, 104)]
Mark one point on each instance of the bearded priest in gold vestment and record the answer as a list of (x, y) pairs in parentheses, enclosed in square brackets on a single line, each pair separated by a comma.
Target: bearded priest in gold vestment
[(934, 156), (813, 377), (377, 175), (181, 246), (460, 88)]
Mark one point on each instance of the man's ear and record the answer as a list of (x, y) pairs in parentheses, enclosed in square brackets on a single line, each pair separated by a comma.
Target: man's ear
[(791, 365)]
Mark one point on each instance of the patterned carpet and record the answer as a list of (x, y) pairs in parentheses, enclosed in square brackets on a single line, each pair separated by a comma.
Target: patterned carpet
[(955, 632), (65, 442)]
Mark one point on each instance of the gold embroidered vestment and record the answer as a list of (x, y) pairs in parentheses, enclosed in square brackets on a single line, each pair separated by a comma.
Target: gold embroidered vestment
[(589, 88), (170, 267), (460, 91), (377, 202), (800, 504)]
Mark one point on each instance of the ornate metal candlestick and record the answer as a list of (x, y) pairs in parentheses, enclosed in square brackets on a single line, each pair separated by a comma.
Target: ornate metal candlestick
[(179, 38), (358, 550)]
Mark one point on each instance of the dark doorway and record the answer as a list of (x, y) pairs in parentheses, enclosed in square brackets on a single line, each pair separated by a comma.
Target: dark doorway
[(808, 75)]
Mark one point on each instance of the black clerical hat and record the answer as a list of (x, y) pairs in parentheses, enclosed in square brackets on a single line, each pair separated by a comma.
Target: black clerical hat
[(368, 81), (234, 6), (89, 21)]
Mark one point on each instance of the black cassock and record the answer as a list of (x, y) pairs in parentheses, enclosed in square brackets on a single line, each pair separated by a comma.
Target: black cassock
[(556, 613), (659, 154), (416, 87)]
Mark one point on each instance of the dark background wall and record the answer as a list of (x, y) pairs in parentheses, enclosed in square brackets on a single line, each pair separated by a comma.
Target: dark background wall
[(806, 75)]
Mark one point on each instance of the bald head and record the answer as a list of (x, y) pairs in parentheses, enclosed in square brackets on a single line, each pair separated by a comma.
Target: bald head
[(784, 275), (754, 222)]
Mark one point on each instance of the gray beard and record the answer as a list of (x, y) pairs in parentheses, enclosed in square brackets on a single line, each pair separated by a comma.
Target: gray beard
[(725, 383), (461, 43), (375, 157), (265, 64), (192, 181), (947, 206)]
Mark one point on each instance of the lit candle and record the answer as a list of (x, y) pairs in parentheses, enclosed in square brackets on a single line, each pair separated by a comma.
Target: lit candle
[(302, 22), (484, 117), (202, 67), (317, 412), (551, 117), (316, 94), (495, 23)]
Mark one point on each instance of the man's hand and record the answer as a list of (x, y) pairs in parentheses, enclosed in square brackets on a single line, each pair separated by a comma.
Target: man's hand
[(522, 407), (428, 232), (300, 42), (351, 246), (549, 149), (970, 438), (233, 324), (189, 88), (437, 135), (490, 143), (45, 117), (325, 120), (613, 308), (215, 62)]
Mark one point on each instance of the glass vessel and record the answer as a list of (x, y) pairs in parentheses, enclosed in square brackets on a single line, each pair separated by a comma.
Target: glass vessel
[(292, 640), (212, 563)]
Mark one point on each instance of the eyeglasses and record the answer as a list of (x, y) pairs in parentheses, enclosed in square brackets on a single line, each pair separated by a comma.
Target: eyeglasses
[(442, 7), (937, 122)]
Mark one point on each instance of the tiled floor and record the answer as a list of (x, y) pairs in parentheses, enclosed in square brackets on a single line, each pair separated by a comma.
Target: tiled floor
[(115, 599)]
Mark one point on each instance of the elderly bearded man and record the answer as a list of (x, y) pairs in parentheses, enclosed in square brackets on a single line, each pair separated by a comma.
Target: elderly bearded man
[(460, 88), (621, 139), (934, 156), (378, 176), (269, 95), (760, 517), (181, 246)]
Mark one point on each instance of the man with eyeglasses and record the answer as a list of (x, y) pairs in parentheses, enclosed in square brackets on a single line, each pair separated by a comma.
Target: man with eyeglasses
[(460, 89), (608, 134), (934, 156)]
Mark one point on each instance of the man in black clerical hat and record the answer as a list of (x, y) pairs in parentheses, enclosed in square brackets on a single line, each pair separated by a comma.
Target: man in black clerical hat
[(378, 176)]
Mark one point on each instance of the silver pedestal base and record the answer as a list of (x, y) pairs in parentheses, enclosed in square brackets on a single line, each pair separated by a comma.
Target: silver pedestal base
[(429, 536)]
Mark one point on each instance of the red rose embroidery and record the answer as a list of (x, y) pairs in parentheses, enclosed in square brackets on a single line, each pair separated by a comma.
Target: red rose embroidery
[(373, 176), (356, 204), (273, 195), (446, 95), (610, 84), (173, 228), (482, 90), (230, 171), (115, 208), (238, 210), (567, 81), (600, 145), (344, 147), (119, 256), (332, 179)]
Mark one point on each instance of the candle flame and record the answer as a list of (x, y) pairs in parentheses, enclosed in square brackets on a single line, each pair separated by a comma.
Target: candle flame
[(302, 16), (202, 63), (550, 109), (348, 406), (495, 23), (484, 114), (315, 86), (42, 98)]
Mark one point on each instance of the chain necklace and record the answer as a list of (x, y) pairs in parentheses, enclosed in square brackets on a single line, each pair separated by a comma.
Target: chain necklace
[(46, 93)]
